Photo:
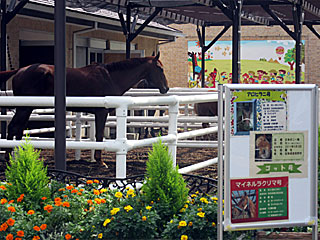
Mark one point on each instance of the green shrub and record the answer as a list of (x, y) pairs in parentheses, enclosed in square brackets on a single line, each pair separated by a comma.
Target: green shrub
[(164, 185), (27, 177)]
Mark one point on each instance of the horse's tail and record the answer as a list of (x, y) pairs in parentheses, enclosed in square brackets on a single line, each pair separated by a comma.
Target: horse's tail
[(6, 75)]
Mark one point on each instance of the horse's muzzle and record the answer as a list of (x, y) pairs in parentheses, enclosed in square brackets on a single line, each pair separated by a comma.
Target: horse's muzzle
[(164, 90)]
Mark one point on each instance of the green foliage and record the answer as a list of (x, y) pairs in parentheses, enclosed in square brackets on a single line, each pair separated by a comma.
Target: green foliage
[(26, 176), (164, 184)]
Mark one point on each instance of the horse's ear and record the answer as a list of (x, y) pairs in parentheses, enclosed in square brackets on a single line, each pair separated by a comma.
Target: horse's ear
[(157, 57)]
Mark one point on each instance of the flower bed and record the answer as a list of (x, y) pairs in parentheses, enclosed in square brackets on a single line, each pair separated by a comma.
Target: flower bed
[(40, 204)]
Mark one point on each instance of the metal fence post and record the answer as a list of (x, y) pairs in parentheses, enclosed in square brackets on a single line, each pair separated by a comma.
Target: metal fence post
[(220, 162)]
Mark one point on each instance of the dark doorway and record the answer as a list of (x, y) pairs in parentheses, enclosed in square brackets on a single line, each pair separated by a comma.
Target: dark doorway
[(37, 54)]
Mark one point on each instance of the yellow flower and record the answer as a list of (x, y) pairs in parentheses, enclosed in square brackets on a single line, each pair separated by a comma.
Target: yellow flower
[(128, 208), (144, 218), (201, 214), (204, 200), (114, 211), (214, 198), (100, 235), (103, 190), (182, 223), (190, 224), (199, 209), (184, 237), (182, 210), (97, 200), (148, 207), (213, 224), (193, 195), (106, 222), (130, 192), (118, 195), (186, 206)]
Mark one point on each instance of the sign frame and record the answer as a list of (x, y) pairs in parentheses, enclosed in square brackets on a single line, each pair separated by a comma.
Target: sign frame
[(308, 93)]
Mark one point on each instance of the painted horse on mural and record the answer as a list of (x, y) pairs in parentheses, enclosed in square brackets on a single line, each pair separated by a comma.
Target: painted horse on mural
[(112, 79)]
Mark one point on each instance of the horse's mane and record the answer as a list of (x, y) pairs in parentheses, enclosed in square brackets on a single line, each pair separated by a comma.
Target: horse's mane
[(126, 64)]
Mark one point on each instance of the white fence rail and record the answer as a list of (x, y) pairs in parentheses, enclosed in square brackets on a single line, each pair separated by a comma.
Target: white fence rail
[(121, 145)]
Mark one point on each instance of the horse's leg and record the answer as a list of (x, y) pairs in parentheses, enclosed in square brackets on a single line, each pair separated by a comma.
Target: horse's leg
[(17, 125), (100, 120)]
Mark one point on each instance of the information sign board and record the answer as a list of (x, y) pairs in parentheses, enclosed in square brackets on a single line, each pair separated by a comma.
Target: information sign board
[(270, 161)]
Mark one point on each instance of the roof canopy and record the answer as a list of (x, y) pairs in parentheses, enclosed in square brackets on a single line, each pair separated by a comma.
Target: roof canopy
[(211, 12)]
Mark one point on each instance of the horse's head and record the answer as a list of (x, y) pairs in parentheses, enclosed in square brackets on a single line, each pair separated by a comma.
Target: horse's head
[(155, 75)]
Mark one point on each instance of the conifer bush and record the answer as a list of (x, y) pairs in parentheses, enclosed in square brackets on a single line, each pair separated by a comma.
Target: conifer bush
[(26, 176), (164, 185)]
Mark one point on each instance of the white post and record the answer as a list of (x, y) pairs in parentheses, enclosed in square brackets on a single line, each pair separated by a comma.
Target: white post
[(78, 135), (173, 123), (220, 163), (92, 137), (121, 139)]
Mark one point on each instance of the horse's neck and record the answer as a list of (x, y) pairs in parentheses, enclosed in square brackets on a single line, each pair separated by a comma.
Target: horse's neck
[(127, 78)]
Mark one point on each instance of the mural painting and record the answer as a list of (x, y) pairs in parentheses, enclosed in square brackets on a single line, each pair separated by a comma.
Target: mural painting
[(262, 61)]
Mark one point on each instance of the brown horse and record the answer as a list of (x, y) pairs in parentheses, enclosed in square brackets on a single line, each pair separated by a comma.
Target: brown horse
[(264, 146), (112, 79), (245, 208)]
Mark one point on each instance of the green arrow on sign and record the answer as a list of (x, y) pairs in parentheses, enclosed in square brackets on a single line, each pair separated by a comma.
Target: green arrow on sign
[(279, 167)]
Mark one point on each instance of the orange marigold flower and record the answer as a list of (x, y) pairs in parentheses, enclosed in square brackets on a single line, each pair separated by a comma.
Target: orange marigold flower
[(18, 239), (19, 199), (43, 226), (48, 208), (57, 199), (74, 191), (10, 222), (89, 182), (11, 209), (68, 236), (58, 203), (3, 187), (20, 233), (79, 193), (103, 201), (81, 190), (144, 218), (96, 181), (4, 227), (69, 187), (11, 201), (36, 228), (61, 189), (44, 198), (66, 204), (65, 196), (9, 237), (89, 201), (35, 238), (97, 200), (96, 192), (30, 212), (3, 201)]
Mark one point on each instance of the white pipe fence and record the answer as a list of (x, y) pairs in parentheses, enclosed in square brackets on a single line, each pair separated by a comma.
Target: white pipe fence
[(121, 145)]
